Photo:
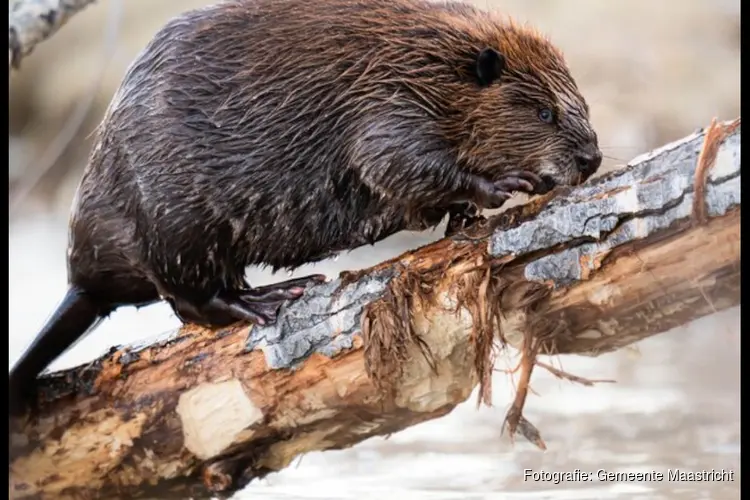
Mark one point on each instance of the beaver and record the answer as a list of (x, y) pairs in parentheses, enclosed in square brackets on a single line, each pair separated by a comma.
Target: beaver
[(280, 132)]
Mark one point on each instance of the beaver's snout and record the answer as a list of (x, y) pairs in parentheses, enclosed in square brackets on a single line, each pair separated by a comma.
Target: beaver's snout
[(588, 160)]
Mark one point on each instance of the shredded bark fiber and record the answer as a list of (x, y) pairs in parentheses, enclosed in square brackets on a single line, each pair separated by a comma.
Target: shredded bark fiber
[(477, 283), (387, 325)]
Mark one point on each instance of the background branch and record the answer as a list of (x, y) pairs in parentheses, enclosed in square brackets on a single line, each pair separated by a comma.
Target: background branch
[(580, 271), (30, 22)]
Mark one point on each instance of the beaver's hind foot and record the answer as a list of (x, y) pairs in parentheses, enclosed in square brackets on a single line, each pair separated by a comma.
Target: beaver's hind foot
[(261, 304), (258, 305)]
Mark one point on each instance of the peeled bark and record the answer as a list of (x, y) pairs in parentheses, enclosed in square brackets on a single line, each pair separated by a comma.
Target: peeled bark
[(580, 271)]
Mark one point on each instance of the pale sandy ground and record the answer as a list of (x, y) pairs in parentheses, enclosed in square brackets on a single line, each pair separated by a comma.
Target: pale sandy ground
[(653, 71)]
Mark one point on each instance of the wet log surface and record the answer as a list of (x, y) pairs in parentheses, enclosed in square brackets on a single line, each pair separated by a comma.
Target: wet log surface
[(585, 271)]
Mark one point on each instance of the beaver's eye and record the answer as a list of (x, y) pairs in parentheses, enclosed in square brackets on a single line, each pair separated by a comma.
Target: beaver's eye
[(546, 115)]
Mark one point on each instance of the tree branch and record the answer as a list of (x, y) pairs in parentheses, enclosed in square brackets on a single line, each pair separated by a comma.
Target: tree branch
[(30, 22), (593, 269)]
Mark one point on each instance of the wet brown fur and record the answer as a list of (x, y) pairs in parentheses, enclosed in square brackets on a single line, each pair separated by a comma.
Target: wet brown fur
[(237, 139), (279, 132)]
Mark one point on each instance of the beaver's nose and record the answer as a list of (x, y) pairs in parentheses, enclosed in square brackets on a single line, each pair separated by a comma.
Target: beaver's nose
[(588, 160)]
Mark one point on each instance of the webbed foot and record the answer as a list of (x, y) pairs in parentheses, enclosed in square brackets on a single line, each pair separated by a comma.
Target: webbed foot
[(258, 305), (261, 305)]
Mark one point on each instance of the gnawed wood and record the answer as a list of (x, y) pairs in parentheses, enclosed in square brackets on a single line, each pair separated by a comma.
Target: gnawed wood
[(202, 412)]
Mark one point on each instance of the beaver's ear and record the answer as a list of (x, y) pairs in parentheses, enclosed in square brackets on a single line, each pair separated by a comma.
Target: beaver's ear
[(489, 66)]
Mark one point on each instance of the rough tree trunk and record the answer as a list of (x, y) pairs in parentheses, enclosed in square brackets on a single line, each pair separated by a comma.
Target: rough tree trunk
[(587, 271)]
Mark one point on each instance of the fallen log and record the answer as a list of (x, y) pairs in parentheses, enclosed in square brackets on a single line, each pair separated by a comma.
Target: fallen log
[(580, 271)]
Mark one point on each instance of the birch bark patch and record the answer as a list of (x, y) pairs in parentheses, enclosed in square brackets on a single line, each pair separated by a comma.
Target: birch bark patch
[(213, 414)]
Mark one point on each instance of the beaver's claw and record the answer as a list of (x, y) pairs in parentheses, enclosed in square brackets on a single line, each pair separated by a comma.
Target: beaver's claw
[(493, 194)]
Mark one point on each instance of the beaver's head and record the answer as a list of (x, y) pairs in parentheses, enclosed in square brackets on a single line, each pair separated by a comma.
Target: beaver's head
[(525, 112)]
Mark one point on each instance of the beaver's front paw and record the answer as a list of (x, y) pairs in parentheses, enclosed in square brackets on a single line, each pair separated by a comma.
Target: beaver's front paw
[(493, 194)]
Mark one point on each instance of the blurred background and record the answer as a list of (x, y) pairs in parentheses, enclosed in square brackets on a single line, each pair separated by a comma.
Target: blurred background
[(652, 71)]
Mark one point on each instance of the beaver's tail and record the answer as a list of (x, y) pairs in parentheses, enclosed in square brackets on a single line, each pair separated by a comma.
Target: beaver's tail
[(74, 317)]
